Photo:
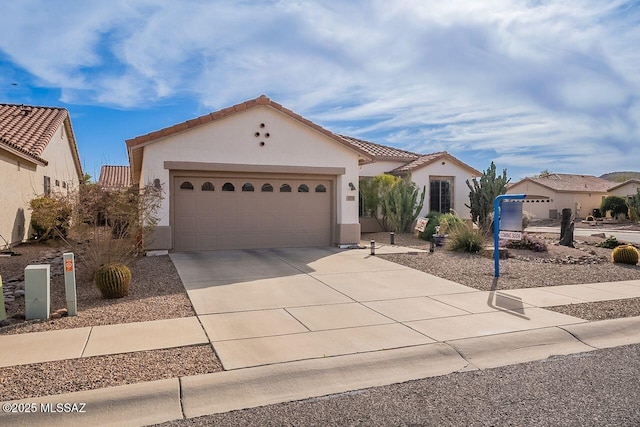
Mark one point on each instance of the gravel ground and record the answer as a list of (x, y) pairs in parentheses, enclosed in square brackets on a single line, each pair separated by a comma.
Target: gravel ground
[(41, 379), (155, 293), (559, 266), (598, 388)]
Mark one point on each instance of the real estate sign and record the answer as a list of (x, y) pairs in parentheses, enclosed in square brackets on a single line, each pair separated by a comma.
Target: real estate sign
[(421, 224)]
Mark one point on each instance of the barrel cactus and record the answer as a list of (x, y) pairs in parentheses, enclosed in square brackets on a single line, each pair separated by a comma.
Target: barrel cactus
[(113, 280), (625, 254)]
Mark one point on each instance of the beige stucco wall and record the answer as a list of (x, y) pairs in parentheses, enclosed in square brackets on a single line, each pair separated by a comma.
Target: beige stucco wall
[(23, 180), (379, 167), (232, 140), (581, 204), (449, 169), (627, 190)]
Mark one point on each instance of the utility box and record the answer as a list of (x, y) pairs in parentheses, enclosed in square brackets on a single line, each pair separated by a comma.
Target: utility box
[(37, 288)]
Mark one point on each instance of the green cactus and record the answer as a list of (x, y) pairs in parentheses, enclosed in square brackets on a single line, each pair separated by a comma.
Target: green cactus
[(625, 254), (113, 280)]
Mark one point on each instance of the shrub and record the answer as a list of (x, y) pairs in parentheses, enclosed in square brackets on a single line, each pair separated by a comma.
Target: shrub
[(430, 229), (114, 224), (616, 204), (448, 222), (463, 239), (402, 204), (526, 219), (625, 254), (50, 216), (529, 243), (610, 243)]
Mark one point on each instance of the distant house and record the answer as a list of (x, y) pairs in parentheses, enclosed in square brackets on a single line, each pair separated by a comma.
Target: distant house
[(442, 175), (114, 177), (38, 156), (625, 189), (580, 193)]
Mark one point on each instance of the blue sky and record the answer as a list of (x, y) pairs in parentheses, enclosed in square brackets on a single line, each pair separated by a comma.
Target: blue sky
[(531, 85)]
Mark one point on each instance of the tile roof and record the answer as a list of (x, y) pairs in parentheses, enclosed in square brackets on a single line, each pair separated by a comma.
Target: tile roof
[(380, 152), (427, 159), (114, 177), (133, 145), (28, 129), (573, 183)]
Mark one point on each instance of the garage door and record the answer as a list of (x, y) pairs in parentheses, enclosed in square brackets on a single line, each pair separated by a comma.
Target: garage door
[(245, 213)]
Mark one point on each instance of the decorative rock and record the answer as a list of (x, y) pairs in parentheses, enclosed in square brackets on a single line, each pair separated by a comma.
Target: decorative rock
[(9, 298), (4, 323), (56, 316), (18, 316), (19, 293)]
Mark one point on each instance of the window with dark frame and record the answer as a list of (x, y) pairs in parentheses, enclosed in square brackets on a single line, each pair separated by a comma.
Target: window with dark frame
[(441, 194)]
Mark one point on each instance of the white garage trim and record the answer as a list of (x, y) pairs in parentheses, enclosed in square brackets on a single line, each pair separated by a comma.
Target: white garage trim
[(244, 168)]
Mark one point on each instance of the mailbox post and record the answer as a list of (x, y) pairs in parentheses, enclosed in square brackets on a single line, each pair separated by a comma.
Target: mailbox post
[(496, 227)]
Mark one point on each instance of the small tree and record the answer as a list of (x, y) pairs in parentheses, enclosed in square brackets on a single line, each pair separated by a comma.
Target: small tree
[(616, 204), (483, 194), (372, 192), (634, 206), (400, 204)]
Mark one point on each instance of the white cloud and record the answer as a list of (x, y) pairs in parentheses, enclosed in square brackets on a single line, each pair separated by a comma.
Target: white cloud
[(509, 78)]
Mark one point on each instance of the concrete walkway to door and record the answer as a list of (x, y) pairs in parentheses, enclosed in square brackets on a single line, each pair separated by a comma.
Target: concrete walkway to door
[(269, 306)]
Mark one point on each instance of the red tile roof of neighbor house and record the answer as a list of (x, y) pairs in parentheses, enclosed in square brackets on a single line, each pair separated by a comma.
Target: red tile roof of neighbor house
[(114, 177), (29, 129), (427, 159), (572, 183), (380, 152)]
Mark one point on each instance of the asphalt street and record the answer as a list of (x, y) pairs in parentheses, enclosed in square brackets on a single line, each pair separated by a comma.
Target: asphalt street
[(598, 388)]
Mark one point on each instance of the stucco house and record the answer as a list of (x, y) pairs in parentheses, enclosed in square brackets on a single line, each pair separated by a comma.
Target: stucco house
[(249, 176), (442, 175), (259, 175), (625, 189), (580, 193), (38, 155)]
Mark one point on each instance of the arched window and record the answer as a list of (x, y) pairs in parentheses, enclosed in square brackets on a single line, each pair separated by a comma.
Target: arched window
[(228, 187), (186, 186), (267, 188), (303, 188), (207, 186), (321, 188), (247, 187), (285, 188)]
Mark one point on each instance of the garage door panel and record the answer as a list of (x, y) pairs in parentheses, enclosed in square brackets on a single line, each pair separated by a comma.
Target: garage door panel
[(211, 220)]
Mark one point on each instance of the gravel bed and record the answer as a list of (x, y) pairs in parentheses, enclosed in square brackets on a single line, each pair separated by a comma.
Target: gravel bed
[(155, 293), (42, 379), (559, 266)]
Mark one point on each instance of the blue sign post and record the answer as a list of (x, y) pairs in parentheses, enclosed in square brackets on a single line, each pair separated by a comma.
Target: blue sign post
[(496, 227)]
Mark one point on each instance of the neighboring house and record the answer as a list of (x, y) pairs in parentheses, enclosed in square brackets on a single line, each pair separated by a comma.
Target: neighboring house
[(252, 175), (38, 156), (625, 189), (441, 175), (114, 177), (580, 193)]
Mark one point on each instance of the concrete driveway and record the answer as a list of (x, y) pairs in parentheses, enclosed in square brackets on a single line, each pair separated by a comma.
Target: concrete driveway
[(268, 306)]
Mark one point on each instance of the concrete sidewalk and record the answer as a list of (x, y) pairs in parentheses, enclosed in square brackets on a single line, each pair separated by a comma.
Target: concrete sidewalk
[(292, 324)]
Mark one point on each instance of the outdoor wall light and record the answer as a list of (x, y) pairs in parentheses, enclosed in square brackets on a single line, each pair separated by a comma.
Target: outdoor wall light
[(352, 187)]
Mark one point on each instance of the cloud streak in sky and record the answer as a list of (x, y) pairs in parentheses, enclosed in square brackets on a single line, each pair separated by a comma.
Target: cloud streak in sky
[(534, 85)]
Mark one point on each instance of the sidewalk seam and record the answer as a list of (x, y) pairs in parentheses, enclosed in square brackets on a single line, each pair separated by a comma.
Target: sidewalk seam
[(86, 343), (576, 337), (181, 398)]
